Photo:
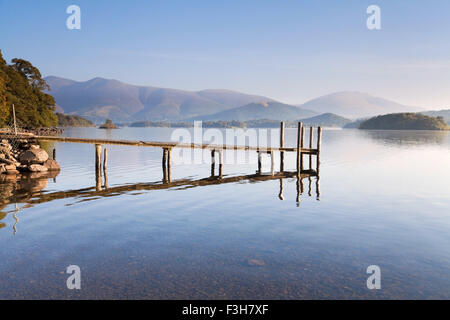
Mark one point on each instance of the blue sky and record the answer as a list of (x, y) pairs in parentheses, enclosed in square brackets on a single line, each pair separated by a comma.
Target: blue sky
[(289, 50)]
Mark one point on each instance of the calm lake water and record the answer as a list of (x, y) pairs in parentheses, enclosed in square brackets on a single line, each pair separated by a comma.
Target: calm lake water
[(384, 200)]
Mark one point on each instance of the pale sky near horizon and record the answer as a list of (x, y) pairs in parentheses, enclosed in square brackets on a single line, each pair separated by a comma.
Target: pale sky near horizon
[(291, 51)]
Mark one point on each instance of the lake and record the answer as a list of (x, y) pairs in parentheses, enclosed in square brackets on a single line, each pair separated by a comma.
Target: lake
[(384, 200)]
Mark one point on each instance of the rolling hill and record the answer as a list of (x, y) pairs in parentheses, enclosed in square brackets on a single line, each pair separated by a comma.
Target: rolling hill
[(270, 110), (99, 99), (404, 121), (327, 120), (355, 105)]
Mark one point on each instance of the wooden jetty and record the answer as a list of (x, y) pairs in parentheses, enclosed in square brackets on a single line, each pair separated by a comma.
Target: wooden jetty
[(301, 151)]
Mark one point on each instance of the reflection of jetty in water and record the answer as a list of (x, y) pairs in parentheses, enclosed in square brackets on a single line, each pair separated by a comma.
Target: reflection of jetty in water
[(28, 189)]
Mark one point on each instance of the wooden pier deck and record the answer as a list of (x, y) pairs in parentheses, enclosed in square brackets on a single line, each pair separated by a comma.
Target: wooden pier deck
[(301, 150)]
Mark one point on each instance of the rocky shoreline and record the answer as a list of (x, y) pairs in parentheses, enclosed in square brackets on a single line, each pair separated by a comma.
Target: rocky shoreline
[(25, 157)]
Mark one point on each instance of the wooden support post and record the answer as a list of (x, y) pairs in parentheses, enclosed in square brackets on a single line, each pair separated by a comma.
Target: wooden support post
[(54, 154), (298, 191), (105, 160), (282, 146), (272, 163), (220, 163), (319, 142), (98, 157), (164, 165), (169, 160), (299, 139), (302, 145), (213, 162), (259, 162), (311, 136)]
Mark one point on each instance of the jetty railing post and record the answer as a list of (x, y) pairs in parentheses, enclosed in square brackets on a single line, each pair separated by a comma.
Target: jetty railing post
[(105, 160), (319, 142), (220, 163), (259, 162), (164, 165), (98, 157), (213, 162), (302, 145), (311, 136), (281, 146), (299, 138), (98, 167), (169, 160), (272, 163)]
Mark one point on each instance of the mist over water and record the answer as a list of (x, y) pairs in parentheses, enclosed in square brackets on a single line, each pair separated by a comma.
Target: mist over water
[(384, 200)]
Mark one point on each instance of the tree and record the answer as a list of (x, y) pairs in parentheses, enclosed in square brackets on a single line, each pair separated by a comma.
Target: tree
[(21, 84)]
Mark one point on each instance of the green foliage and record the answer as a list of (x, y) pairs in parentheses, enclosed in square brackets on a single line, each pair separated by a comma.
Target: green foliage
[(21, 84), (73, 121), (404, 121)]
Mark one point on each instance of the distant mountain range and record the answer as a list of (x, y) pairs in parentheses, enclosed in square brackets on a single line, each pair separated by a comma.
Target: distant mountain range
[(98, 99), (271, 110), (355, 105)]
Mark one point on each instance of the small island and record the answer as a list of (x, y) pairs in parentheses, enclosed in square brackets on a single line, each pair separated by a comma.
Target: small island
[(404, 121), (108, 125)]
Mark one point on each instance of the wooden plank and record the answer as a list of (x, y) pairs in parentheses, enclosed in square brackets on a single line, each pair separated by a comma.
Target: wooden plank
[(299, 139), (281, 146)]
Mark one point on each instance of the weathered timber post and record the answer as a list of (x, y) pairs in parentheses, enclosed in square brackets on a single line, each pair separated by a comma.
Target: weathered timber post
[(302, 145), (298, 191), (164, 165), (213, 162), (169, 160), (299, 138), (272, 163), (98, 157), (259, 162), (220, 163), (54, 154), (281, 146), (319, 142), (105, 160), (311, 136)]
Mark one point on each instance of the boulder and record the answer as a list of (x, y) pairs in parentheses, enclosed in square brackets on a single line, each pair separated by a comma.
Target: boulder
[(33, 156), (37, 168), (51, 165)]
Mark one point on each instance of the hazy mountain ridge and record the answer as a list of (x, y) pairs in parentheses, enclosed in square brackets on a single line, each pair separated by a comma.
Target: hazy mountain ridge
[(263, 110), (355, 105), (98, 99)]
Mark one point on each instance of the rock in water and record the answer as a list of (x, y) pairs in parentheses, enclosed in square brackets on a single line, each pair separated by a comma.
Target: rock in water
[(33, 156), (52, 165), (37, 168)]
